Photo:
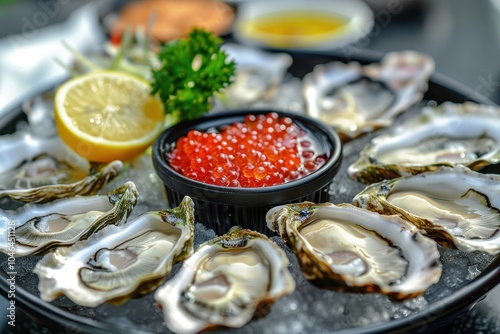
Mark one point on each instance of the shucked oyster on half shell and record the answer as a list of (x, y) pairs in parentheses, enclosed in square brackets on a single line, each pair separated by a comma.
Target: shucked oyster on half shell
[(451, 134), (119, 262), (258, 74), (455, 206), (23, 147), (46, 165), (36, 228), (40, 167), (357, 99), (345, 247), (226, 281)]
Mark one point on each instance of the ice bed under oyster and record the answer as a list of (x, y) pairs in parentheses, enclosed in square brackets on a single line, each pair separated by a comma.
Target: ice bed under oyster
[(308, 308)]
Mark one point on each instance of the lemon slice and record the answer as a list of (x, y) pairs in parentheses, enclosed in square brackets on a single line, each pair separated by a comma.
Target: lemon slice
[(107, 115)]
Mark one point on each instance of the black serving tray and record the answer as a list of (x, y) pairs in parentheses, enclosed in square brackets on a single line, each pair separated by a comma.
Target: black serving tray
[(441, 310)]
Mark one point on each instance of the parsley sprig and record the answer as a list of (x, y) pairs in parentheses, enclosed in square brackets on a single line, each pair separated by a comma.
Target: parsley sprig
[(191, 71)]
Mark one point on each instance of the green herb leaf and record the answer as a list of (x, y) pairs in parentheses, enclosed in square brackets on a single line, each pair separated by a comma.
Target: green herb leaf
[(191, 71)]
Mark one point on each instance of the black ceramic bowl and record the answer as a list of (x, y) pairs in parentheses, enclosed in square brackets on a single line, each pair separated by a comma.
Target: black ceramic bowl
[(219, 207)]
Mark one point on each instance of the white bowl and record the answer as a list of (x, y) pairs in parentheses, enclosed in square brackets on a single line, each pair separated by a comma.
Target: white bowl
[(302, 24)]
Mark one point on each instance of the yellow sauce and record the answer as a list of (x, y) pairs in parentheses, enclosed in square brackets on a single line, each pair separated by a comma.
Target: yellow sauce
[(294, 27)]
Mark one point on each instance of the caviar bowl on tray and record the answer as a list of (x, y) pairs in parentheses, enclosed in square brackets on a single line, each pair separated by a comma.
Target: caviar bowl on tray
[(222, 205)]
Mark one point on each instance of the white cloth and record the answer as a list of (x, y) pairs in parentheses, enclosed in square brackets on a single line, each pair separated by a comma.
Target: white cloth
[(27, 64)]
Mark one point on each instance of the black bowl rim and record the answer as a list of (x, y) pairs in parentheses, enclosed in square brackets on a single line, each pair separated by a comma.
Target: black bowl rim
[(248, 196)]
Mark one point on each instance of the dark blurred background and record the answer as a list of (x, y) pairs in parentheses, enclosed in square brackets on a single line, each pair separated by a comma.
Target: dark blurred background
[(462, 36)]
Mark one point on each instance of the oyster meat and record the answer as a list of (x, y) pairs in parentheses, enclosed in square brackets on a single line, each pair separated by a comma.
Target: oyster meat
[(451, 134), (357, 99), (348, 248), (225, 282), (119, 262), (258, 74), (456, 206), (36, 228)]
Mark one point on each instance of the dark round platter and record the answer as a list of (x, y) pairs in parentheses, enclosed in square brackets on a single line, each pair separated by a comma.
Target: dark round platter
[(441, 308)]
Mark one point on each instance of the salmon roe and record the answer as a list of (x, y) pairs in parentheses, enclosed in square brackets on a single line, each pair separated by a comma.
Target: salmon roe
[(263, 150)]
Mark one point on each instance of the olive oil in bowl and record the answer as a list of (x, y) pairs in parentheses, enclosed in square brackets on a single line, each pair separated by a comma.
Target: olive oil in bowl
[(308, 25), (291, 28)]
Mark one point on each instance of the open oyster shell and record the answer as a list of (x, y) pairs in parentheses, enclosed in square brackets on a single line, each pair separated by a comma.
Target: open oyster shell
[(23, 147), (258, 74), (345, 247), (36, 228), (357, 99), (225, 282), (119, 262), (87, 185), (457, 207), (451, 134), (42, 168)]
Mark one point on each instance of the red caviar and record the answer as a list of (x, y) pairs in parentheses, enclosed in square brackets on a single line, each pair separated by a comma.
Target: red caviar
[(263, 150)]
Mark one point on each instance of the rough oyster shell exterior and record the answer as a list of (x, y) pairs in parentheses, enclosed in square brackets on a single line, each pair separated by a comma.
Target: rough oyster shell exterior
[(348, 248), (225, 282), (119, 262), (357, 99), (456, 206), (37, 228), (451, 134)]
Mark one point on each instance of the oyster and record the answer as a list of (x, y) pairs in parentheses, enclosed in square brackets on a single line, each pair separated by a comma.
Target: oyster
[(225, 282), (450, 134), (22, 147), (119, 262), (36, 228), (40, 169), (26, 187), (357, 99), (345, 247), (258, 74), (455, 206)]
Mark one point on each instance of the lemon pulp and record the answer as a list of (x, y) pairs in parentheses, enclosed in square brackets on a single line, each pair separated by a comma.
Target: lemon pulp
[(106, 115)]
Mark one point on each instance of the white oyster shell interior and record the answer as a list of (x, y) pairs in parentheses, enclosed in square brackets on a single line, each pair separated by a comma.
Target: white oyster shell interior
[(449, 138), (462, 204), (38, 227), (224, 282), (258, 74), (357, 99), (360, 249), (447, 135), (24, 146), (119, 262), (41, 193)]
